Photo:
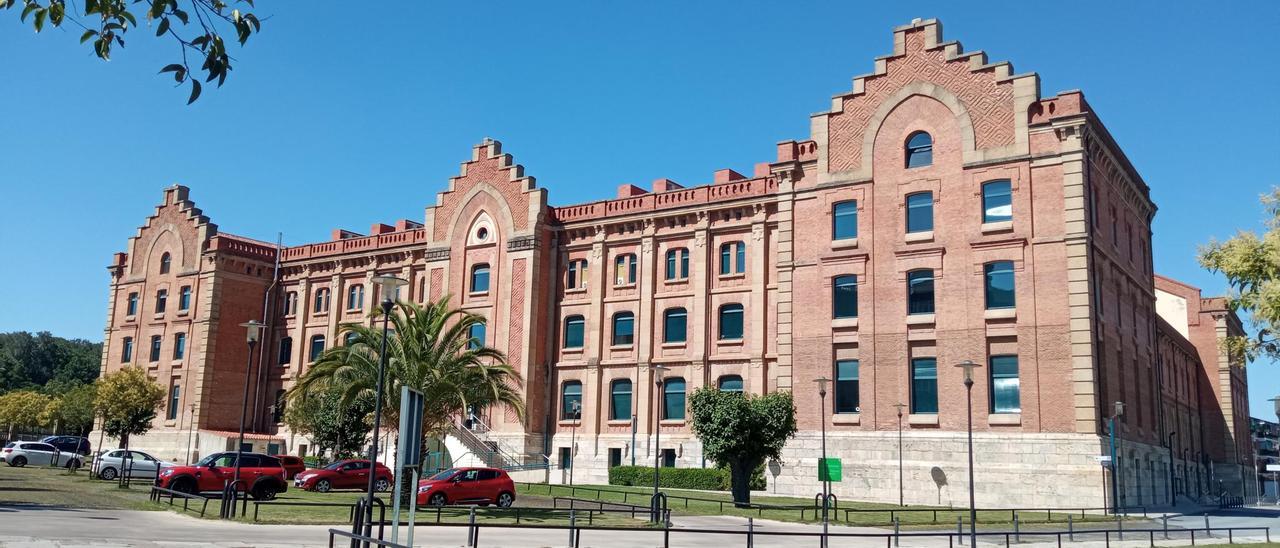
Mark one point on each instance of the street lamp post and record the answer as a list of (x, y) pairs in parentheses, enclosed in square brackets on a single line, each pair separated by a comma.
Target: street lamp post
[(901, 490), (968, 367), (576, 406), (1173, 493), (658, 371), (826, 483), (388, 286), (254, 329), (1118, 410)]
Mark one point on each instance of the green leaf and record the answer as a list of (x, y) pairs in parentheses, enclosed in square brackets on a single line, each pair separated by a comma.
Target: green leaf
[(257, 25), (129, 16), (195, 91), (157, 9), (87, 35), (162, 27), (56, 11), (181, 15), (40, 15), (27, 11), (171, 67)]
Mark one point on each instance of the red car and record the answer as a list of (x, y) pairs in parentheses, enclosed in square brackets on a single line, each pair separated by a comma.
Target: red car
[(292, 465), (482, 486), (260, 474), (345, 474)]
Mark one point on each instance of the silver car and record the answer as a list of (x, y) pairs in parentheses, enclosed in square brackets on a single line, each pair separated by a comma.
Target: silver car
[(22, 453), (140, 465)]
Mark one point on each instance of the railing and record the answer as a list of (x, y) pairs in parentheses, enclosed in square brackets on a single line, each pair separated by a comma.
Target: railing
[(495, 455), (357, 540), (351, 506), (600, 506), (158, 493)]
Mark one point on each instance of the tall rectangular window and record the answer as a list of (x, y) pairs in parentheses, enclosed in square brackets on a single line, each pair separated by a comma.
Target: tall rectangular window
[(920, 212), (673, 399), (844, 220), (132, 308), (677, 264), (624, 328), (674, 325), (844, 296), (126, 353), (175, 394), (924, 386), (998, 284), (624, 269), (480, 278), (161, 297), (620, 400), (733, 258), (184, 298), (920, 292), (1005, 389), (286, 350), (157, 342), (573, 327), (847, 386), (731, 322), (317, 348), (571, 400), (997, 201), (179, 345), (577, 275), (476, 334)]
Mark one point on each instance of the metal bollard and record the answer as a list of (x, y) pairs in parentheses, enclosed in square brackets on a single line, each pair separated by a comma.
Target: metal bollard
[(1120, 527), (960, 529), (1207, 531), (573, 521), (1166, 526), (751, 531), (1071, 530), (895, 530), (471, 527), (1017, 535)]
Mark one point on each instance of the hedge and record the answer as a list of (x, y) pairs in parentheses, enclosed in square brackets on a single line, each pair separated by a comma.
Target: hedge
[(707, 479)]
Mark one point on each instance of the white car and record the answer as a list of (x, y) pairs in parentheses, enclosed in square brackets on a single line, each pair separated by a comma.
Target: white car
[(22, 453), (141, 465)]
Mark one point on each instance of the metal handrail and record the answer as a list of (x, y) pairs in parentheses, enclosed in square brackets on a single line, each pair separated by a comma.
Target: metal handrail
[(157, 492)]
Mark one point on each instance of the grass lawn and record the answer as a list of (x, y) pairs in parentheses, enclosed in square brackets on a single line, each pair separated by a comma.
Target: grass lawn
[(55, 487), (720, 503)]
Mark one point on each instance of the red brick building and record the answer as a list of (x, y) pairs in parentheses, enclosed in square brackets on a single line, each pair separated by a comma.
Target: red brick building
[(942, 210)]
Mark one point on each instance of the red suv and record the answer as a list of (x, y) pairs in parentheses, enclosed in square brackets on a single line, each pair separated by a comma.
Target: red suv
[(261, 474), (468, 485), (344, 474), (292, 465)]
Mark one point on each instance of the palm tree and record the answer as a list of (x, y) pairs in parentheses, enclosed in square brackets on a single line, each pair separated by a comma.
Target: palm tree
[(429, 349)]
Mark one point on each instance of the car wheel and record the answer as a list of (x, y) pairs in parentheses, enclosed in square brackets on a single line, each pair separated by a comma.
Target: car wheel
[(184, 485), (382, 485), (264, 491), (437, 500), (323, 486), (107, 473), (18, 461), (505, 499)]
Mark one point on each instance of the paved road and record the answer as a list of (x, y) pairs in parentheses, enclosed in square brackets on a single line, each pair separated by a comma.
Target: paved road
[(44, 527)]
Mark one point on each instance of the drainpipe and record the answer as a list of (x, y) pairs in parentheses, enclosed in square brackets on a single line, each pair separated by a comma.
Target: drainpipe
[(266, 320)]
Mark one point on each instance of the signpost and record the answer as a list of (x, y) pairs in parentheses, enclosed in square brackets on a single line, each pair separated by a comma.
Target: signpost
[(829, 469), (408, 457)]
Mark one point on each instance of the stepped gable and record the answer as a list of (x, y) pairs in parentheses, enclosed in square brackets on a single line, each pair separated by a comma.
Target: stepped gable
[(177, 226), (490, 173)]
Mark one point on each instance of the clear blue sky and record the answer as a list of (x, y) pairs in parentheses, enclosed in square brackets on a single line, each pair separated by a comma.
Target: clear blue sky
[(342, 117)]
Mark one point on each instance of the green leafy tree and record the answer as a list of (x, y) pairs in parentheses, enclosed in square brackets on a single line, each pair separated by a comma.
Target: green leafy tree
[(106, 22), (742, 431), (128, 400), (22, 409), (1251, 264), (331, 425), (73, 410), (29, 361)]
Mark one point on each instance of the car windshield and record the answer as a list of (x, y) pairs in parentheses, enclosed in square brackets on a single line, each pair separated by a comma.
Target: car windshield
[(208, 460), (445, 474), (335, 465)]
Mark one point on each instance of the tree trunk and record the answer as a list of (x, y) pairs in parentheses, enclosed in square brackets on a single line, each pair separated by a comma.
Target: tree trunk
[(740, 477)]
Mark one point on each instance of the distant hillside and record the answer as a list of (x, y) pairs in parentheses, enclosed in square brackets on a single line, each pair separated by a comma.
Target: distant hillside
[(45, 362)]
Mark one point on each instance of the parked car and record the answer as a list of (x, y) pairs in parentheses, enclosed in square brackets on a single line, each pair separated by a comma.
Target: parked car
[(260, 474), (468, 485), (141, 465), (344, 474), (35, 453), (69, 444), (292, 465)]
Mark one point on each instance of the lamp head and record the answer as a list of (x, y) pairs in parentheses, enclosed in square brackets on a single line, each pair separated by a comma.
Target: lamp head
[(900, 407), (253, 330), (388, 286), (1119, 408), (1276, 401), (658, 371), (822, 385), (968, 366)]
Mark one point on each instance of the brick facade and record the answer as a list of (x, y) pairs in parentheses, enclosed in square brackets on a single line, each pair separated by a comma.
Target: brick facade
[(752, 262)]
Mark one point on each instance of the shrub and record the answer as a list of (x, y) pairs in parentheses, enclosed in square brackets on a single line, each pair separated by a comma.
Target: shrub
[(706, 479)]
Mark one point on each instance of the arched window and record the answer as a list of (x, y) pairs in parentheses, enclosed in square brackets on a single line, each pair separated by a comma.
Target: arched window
[(920, 212), (624, 269), (322, 300), (355, 297), (731, 321), (286, 351), (733, 258), (476, 332), (184, 298), (730, 383), (573, 327), (844, 296), (480, 278), (675, 323), (620, 400), (162, 298), (624, 328), (997, 201), (998, 284), (291, 303), (677, 263), (919, 149), (164, 263), (571, 400), (844, 220), (126, 350), (673, 399), (317, 348), (920, 292)]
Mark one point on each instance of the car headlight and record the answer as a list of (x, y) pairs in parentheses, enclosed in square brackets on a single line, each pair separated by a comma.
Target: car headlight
[(424, 488), (166, 472)]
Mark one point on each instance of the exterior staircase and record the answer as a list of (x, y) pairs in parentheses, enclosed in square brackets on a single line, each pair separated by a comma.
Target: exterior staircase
[(492, 451)]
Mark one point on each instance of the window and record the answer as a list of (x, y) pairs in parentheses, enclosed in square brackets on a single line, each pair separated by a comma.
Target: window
[(731, 321), (1005, 390), (920, 212), (162, 297), (179, 345), (286, 350), (577, 277), (573, 326), (673, 399), (620, 400), (624, 328), (132, 308), (350, 338), (844, 297), (126, 352), (571, 400), (668, 458), (733, 258), (674, 325), (317, 347), (164, 263), (291, 303), (476, 334), (278, 408), (920, 292), (844, 220), (156, 343), (730, 383), (566, 458), (184, 298), (847, 387), (677, 264), (355, 297), (615, 457), (924, 385), (624, 269), (999, 284), (919, 150), (480, 278), (997, 201), (322, 300)]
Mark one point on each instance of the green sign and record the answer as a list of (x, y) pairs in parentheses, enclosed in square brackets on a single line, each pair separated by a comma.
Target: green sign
[(829, 469)]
